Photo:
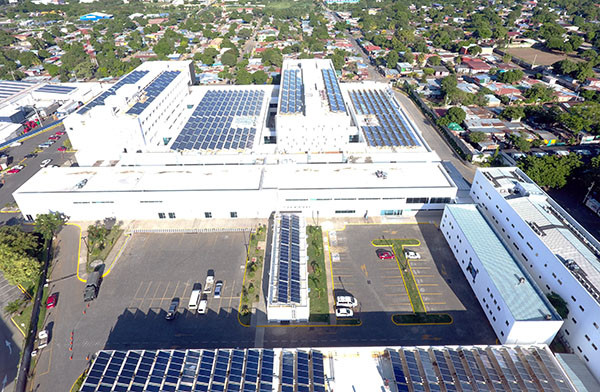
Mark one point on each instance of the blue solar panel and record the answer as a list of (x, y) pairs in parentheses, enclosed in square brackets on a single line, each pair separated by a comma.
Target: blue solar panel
[(332, 90), (55, 89), (291, 92), (397, 368), (131, 78)]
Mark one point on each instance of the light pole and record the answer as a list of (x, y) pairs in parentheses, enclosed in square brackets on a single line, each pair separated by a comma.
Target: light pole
[(87, 247)]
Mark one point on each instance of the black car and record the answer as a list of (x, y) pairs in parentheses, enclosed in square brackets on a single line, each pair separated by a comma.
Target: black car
[(172, 309), (31, 155)]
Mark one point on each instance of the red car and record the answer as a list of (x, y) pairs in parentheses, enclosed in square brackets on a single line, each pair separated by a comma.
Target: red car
[(384, 254), (59, 133), (62, 148), (15, 169), (54, 137), (51, 302)]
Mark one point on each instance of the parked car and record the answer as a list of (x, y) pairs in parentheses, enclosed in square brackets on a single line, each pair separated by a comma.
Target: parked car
[(54, 137), (343, 312), (172, 309), (561, 152), (384, 254), (218, 288), (62, 148), (409, 254), (15, 144), (31, 155), (44, 145), (45, 162), (60, 133), (51, 301), (583, 152), (345, 301), (539, 154), (15, 169), (203, 305)]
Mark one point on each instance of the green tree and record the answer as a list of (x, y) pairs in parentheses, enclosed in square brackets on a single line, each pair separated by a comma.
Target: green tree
[(260, 77), (512, 113), (48, 224), (539, 92), (512, 76), (18, 267), (164, 47), (520, 143), (550, 171), (434, 60), (272, 56), (477, 137), (243, 77), (392, 59), (229, 58)]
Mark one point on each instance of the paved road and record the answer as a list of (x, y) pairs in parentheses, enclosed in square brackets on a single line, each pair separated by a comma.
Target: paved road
[(434, 139), (13, 181), (10, 345)]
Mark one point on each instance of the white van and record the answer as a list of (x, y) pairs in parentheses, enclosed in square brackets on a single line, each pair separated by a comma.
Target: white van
[(346, 301), (194, 300), (203, 305)]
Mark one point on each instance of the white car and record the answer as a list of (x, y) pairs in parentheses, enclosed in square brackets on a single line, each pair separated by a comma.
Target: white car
[(202, 306), (15, 144), (44, 145), (343, 312), (409, 254), (45, 162), (345, 301), (561, 152)]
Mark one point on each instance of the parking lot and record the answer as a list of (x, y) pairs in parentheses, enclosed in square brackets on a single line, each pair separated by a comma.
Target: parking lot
[(133, 300), (378, 283)]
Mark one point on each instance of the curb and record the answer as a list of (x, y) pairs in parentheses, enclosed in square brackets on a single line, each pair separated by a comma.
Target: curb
[(215, 230), (18, 327)]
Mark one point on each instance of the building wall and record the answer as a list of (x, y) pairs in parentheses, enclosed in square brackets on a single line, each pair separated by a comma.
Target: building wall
[(252, 203), (581, 329), (508, 330)]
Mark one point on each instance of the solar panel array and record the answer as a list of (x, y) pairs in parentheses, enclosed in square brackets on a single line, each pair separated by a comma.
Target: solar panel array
[(152, 91), (393, 129), (292, 97), (288, 268), (210, 126), (475, 369), (9, 88), (131, 78), (334, 94), (56, 89), (222, 370)]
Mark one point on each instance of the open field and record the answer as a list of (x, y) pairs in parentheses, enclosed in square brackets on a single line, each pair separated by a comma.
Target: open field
[(541, 57)]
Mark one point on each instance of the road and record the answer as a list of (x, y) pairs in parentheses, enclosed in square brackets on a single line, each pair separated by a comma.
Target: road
[(10, 345), (12, 182)]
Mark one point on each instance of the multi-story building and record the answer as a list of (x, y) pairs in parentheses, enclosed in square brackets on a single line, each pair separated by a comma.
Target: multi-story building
[(516, 308), (559, 254)]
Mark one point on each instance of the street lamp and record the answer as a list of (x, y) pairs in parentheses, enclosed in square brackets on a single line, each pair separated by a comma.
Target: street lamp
[(87, 247)]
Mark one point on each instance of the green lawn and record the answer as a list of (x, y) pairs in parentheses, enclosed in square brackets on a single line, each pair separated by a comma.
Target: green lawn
[(101, 254), (22, 318), (404, 266), (254, 272), (317, 277)]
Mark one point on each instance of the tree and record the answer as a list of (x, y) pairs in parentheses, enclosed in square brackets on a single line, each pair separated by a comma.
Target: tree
[(18, 267), (512, 76), (475, 50), (519, 142), (512, 113), (550, 171), (507, 58), (392, 59), (434, 60), (48, 224), (272, 56), (453, 115), (164, 47), (19, 241), (243, 77), (229, 58), (260, 77), (477, 137), (539, 92)]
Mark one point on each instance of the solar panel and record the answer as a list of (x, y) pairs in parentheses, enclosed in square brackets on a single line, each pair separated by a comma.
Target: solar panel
[(131, 78)]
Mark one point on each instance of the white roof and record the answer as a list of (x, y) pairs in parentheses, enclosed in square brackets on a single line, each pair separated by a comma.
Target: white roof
[(237, 177)]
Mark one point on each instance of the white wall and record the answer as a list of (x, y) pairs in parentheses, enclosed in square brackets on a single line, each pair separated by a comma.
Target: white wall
[(507, 329), (581, 329)]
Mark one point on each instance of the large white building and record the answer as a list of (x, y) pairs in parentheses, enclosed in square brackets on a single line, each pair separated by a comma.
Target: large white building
[(515, 307), (155, 146), (559, 254)]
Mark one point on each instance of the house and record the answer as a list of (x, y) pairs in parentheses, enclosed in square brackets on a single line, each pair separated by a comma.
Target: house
[(439, 71), (473, 66), (404, 68), (94, 16)]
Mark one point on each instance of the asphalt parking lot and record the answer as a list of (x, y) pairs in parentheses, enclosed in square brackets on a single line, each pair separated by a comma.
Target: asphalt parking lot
[(130, 310), (378, 284)]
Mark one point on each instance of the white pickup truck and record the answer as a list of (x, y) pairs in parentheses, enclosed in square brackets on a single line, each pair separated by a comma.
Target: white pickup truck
[(208, 286)]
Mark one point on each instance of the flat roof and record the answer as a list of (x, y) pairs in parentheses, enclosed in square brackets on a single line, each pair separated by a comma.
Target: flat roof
[(568, 240), (236, 177), (395, 369), (525, 301)]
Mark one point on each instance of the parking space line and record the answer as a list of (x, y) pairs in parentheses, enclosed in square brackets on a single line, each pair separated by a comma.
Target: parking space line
[(434, 303), (165, 293), (344, 276), (175, 292), (154, 295), (138, 289), (392, 277), (232, 297), (148, 289), (418, 268), (221, 299), (428, 284), (431, 293), (423, 276)]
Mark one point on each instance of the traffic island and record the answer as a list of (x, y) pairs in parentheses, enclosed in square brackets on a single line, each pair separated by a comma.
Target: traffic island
[(317, 277), (253, 274), (422, 319)]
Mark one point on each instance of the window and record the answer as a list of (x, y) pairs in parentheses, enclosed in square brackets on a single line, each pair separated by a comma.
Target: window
[(29, 217), (554, 275), (345, 211), (494, 318), (501, 333), (596, 325), (560, 283), (208, 214), (567, 332), (171, 215), (586, 358), (579, 348), (573, 298), (161, 215), (233, 214), (529, 245), (573, 320), (520, 235), (439, 200), (416, 200), (587, 337), (594, 346), (506, 322), (582, 309)]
